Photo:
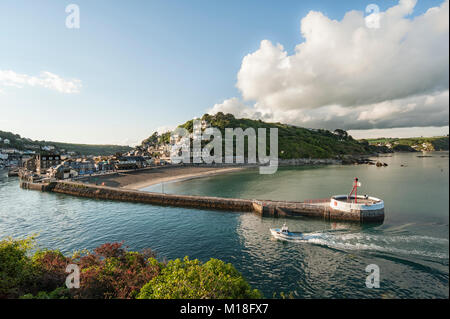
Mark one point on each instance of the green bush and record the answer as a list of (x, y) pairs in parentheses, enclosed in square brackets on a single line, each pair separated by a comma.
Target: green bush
[(190, 279), (58, 293), (17, 272), (50, 268), (110, 271)]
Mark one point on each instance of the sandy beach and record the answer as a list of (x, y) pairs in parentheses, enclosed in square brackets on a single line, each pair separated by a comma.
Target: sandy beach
[(138, 179)]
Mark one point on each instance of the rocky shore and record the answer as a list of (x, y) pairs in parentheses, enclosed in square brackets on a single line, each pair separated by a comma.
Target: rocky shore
[(351, 160)]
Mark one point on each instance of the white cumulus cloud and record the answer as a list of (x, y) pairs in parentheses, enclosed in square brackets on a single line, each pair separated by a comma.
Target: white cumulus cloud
[(45, 80), (347, 75)]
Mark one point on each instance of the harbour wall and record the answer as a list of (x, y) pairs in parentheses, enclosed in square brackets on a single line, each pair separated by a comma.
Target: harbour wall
[(261, 207), (34, 186)]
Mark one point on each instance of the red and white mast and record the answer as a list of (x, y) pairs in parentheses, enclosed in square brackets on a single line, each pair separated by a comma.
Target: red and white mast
[(355, 189)]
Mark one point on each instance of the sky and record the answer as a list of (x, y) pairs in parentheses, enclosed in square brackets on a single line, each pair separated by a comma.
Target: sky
[(138, 66)]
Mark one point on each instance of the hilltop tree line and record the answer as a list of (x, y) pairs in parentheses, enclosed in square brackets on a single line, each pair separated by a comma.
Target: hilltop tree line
[(293, 141), (22, 144)]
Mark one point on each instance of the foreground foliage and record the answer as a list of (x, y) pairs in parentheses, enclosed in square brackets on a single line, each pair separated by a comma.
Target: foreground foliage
[(110, 271), (190, 279), (17, 273)]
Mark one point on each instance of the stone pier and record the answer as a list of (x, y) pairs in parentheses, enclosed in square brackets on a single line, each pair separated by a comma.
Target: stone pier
[(261, 207)]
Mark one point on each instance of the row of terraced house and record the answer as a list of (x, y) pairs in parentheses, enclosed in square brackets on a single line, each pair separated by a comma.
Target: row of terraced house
[(51, 165)]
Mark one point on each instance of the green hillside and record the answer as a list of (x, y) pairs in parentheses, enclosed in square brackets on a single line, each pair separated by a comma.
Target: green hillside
[(20, 143), (296, 142), (414, 144)]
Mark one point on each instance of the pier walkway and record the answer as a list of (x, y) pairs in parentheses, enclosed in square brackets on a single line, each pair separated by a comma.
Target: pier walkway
[(318, 209)]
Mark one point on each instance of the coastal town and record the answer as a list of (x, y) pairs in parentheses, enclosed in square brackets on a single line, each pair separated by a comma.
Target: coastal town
[(48, 162), (43, 163), (40, 162), (37, 162)]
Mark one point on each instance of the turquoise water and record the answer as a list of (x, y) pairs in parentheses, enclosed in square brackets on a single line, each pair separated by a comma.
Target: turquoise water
[(411, 247)]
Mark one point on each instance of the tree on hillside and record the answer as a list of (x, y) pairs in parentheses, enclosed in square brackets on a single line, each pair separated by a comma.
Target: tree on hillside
[(343, 135)]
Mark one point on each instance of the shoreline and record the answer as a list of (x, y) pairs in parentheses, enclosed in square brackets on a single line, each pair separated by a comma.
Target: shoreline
[(138, 179), (178, 178), (142, 178)]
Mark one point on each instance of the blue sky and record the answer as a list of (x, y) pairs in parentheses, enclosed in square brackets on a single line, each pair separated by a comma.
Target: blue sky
[(142, 64)]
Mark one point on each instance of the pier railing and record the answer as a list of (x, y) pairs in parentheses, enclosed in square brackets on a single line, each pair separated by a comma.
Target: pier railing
[(317, 201)]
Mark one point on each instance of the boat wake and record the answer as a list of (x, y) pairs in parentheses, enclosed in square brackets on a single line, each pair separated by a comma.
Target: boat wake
[(424, 246)]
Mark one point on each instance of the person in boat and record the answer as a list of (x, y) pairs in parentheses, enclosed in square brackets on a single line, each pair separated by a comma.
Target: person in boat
[(284, 229)]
